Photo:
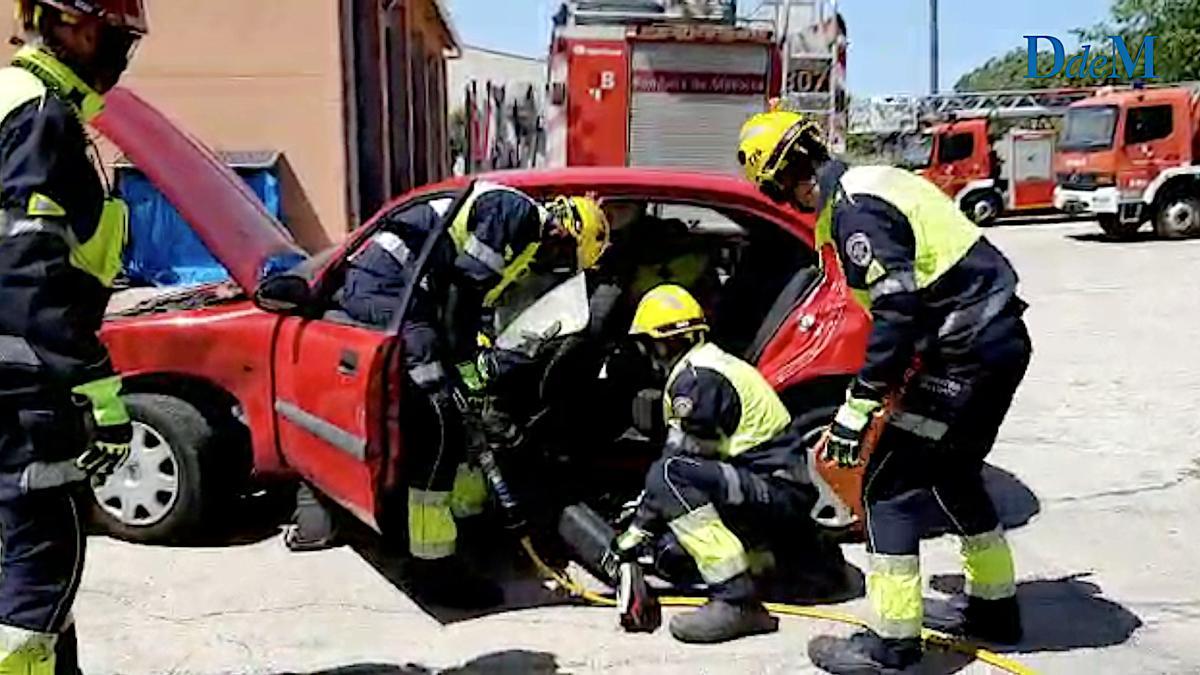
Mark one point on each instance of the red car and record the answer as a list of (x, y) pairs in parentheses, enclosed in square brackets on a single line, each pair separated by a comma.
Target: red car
[(227, 389)]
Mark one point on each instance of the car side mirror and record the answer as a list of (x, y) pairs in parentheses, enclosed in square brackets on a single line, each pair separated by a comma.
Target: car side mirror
[(287, 294)]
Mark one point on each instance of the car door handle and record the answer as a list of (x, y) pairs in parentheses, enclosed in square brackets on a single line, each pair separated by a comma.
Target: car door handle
[(348, 362)]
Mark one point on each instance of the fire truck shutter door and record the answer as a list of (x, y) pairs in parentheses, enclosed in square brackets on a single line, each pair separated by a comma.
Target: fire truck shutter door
[(690, 100)]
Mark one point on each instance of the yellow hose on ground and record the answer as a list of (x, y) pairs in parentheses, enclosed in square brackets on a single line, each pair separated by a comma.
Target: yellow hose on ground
[(931, 637)]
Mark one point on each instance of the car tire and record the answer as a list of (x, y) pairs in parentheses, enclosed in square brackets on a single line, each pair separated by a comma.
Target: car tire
[(159, 496), (1178, 217), (983, 208), (1115, 229)]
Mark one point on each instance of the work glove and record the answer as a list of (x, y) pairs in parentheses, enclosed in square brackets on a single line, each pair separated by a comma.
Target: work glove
[(640, 610), (109, 451), (843, 441), (113, 430)]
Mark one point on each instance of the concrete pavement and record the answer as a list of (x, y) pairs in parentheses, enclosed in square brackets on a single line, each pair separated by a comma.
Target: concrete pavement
[(1102, 442)]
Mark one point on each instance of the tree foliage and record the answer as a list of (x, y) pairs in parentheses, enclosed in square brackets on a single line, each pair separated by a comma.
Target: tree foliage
[(1175, 24)]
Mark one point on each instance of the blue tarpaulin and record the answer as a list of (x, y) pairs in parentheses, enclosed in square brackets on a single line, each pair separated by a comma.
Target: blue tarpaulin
[(163, 250)]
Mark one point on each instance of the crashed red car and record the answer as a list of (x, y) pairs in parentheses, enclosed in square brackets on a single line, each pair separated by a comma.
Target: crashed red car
[(225, 391)]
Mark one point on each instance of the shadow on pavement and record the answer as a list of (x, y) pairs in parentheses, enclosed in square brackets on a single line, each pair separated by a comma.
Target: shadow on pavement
[(1015, 502), (515, 662), (1101, 238), (1061, 614)]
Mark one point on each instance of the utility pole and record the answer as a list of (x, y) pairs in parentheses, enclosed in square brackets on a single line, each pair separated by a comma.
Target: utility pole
[(783, 22), (933, 47)]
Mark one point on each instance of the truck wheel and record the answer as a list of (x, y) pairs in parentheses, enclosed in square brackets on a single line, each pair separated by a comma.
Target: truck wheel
[(1178, 218), (1115, 229), (158, 496), (983, 208)]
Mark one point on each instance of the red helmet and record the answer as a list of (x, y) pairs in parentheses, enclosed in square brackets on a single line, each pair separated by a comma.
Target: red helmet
[(128, 15)]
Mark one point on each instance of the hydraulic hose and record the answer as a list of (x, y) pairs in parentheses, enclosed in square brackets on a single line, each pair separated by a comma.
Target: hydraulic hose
[(576, 590)]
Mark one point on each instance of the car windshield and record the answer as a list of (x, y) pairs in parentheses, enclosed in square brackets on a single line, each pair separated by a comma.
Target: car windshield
[(1089, 128), (917, 152)]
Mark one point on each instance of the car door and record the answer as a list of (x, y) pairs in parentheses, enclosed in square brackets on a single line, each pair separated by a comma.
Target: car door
[(339, 395), (331, 382)]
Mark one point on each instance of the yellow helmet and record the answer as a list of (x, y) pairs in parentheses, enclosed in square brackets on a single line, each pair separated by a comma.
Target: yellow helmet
[(769, 141), (667, 311), (584, 220)]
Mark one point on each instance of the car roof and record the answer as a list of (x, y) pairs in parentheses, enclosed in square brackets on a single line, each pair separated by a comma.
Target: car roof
[(646, 183)]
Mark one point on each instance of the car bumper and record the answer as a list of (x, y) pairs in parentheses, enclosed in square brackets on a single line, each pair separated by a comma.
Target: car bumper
[(1101, 200)]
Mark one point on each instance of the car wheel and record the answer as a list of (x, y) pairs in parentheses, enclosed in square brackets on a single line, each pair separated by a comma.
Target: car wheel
[(1115, 229), (983, 208), (1178, 218), (158, 495)]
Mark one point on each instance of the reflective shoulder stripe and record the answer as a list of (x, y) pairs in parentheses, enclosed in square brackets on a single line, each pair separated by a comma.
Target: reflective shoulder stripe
[(394, 245), (18, 87), (490, 257), (17, 351), (427, 373), (892, 284)]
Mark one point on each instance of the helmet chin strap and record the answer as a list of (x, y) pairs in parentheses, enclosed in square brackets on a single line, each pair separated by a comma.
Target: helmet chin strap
[(87, 102)]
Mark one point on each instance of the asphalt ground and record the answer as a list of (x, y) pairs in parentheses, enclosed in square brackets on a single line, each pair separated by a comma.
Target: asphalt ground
[(1096, 469)]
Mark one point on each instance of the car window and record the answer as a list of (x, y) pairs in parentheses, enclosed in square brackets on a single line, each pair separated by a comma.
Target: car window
[(956, 148), (699, 219), (1148, 123)]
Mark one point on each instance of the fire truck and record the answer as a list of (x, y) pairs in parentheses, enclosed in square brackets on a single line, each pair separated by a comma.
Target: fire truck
[(643, 83), (990, 151), (1129, 156)]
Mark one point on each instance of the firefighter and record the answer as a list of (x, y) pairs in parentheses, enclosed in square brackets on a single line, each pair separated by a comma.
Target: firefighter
[(61, 238), (728, 484), (494, 218), (939, 291)]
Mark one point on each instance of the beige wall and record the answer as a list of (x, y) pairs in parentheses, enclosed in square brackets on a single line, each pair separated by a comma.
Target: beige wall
[(257, 75)]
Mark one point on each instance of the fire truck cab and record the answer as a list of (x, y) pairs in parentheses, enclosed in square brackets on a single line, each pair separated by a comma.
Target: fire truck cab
[(989, 179), (1131, 156)]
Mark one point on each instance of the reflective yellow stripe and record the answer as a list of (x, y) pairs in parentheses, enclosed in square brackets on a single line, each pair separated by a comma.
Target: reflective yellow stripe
[(461, 235), (469, 494), (894, 588), (513, 273), (44, 66), (100, 256), (432, 533), (763, 415), (41, 205), (988, 564), (105, 396), (24, 652), (718, 552)]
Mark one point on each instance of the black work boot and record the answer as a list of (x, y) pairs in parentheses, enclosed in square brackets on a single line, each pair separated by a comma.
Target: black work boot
[(994, 621), (448, 582), (721, 621), (864, 653), (313, 526)]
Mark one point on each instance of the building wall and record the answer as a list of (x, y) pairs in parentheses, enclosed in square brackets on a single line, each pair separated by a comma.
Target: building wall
[(485, 65), (259, 75)]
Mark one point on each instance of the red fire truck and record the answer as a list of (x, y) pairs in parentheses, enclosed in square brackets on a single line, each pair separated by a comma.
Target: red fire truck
[(1133, 155), (636, 91), (988, 179)]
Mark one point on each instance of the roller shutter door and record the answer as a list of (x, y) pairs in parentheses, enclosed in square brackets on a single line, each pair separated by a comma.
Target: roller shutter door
[(690, 100)]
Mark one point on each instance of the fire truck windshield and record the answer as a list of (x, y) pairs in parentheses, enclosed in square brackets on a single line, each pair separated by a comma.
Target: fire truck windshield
[(1089, 128)]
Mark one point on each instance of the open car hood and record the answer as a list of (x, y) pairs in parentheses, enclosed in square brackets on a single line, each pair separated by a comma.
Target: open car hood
[(227, 216)]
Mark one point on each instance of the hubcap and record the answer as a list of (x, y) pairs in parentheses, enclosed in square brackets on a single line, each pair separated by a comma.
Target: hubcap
[(984, 210), (1183, 217), (145, 489)]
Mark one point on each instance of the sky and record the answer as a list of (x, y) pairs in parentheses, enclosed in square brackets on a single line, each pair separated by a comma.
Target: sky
[(889, 39)]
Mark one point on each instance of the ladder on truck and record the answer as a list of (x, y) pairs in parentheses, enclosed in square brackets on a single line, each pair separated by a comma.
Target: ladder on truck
[(907, 114)]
